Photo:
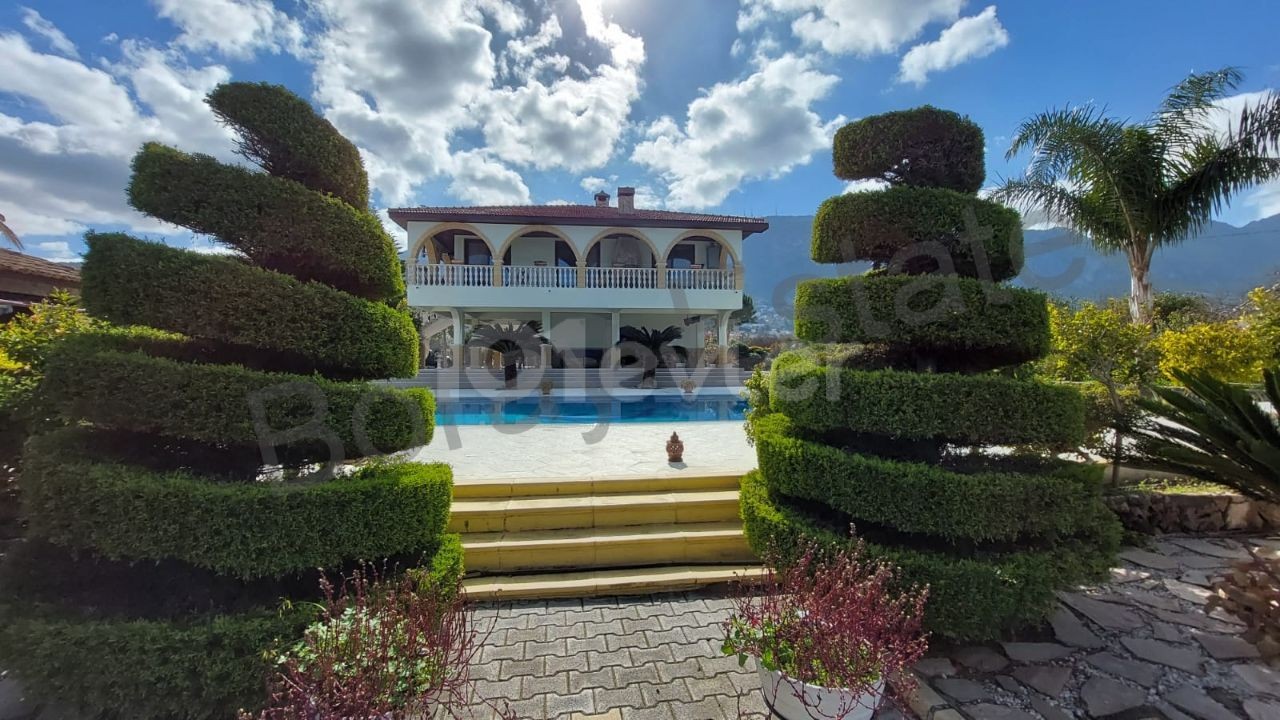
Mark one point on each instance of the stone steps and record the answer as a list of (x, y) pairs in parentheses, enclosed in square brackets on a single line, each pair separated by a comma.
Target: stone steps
[(564, 512), (628, 546), (595, 583)]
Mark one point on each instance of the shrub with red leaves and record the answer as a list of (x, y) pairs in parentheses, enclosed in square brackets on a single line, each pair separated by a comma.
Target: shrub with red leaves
[(388, 650), (830, 618)]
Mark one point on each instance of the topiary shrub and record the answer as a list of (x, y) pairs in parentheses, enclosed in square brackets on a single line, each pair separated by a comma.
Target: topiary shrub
[(219, 454), (888, 427)]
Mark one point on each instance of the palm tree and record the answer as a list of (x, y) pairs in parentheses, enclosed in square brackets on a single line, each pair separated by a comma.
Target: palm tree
[(8, 232), (650, 347), (513, 341), (1133, 187)]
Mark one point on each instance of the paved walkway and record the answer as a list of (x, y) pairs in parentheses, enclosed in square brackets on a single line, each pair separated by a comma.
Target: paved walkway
[(495, 452)]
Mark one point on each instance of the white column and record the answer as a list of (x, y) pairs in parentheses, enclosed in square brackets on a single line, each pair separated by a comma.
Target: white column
[(722, 338), (610, 355), (459, 359)]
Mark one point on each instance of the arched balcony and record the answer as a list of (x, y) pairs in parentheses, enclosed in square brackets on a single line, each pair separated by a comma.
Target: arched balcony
[(701, 262), (539, 258), (456, 256), (623, 260)]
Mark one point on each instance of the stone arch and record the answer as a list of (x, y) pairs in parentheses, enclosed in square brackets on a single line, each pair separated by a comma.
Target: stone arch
[(657, 256), (550, 229), (709, 234), (424, 240)]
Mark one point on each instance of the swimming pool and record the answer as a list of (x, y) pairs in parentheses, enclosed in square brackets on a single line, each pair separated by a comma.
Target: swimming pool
[(652, 408)]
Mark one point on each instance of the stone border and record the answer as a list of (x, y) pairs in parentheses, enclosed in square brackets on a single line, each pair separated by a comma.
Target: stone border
[(1151, 511)]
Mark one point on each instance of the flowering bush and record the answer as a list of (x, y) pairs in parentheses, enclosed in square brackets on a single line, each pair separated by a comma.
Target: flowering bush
[(392, 650), (1227, 350), (830, 618)]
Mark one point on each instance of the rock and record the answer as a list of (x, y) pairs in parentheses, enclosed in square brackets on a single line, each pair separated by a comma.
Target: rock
[(12, 702), (1197, 620), (1034, 652), (962, 690), (1124, 575), (1202, 562), (1201, 578), (1168, 632), (1008, 684), (1170, 712), (1164, 653), (1130, 595), (1195, 702), (1047, 711), (1187, 591), (1104, 696), (1108, 615), (1149, 559), (988, 711), (1257, 709), (1048, 679), (1068, 629), (1211, 549), (1240, 515), (1258, 677), (1144, 674), (1223, 616), (1226, 647), (935, 667), (982, 659)]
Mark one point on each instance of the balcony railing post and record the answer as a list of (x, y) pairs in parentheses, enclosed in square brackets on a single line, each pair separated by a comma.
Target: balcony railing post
[(582, 274), (497, 273), (662, 276), (738, 271)]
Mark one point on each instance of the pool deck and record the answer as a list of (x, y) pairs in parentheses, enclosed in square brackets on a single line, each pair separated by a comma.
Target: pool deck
[(605, 450)]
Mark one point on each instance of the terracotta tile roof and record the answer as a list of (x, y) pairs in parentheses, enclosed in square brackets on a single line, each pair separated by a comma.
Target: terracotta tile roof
[(23, 264), (577, 215)]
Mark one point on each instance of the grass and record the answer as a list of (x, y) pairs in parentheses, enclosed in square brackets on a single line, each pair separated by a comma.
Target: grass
[(1174, 486)]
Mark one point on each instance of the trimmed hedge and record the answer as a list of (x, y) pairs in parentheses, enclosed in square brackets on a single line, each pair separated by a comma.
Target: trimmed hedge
[(928, 499), (909, 228), (971, 599), (228, 300), (960, 409), (927, 313), (215, 404), (287, 138), (203, 668), (925, 147), (248, 530), (278, 223)]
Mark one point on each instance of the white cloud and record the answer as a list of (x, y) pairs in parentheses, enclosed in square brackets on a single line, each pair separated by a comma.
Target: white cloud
[(868, 185), (761, 126), (57, 39), (969, 38), (593, 185), (852, 27), (480, 180), (1263, 200), (235, 28), (57, 251)]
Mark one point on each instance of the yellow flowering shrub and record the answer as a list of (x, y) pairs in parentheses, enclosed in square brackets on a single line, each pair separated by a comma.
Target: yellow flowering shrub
[(1227, 350)]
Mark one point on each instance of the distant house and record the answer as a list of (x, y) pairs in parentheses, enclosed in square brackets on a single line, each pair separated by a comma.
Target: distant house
[(583, 271), (27, 279)]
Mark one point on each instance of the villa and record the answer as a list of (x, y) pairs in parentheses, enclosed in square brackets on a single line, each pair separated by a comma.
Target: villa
[(582, 271)]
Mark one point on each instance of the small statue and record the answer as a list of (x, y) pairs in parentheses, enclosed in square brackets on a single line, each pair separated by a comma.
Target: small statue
[(675, 449)]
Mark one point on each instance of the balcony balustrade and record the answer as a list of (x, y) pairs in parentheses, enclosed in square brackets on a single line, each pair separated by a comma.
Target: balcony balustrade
[(540, 276)]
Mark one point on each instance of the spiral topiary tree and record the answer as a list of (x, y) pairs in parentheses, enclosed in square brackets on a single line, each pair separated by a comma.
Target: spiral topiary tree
[(217, 446), (883, 423)]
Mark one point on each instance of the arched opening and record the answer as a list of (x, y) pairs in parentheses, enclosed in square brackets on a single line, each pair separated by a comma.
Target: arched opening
[(539, 259), (700, 262), (453, 255), (622, 260)]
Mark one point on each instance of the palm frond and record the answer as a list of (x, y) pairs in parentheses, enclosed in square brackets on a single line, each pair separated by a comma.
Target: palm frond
[(1184, 115), (9, 234)]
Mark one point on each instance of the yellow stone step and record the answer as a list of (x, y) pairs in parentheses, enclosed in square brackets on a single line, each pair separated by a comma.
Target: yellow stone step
[(585, 511), (544, 487), (664, 544), (595, 583)]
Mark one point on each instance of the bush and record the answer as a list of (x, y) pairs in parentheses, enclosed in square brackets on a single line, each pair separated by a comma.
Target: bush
[(924, 147), (200, 668), (227, 300), (972, 598), (1098, 342), (278, 223), (281, 133), (930, 314), (920, 230), (1225, 350), (1263, 319), (1054, 499), (959, 409), (216, 403), (244, 530)]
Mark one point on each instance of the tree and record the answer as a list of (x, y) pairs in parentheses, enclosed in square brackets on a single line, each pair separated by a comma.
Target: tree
[(1134, 187), (748, 312), (650, 347), (9, 234), (513, 341)]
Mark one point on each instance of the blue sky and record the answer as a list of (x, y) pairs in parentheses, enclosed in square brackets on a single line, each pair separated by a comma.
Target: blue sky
[(717, 105)]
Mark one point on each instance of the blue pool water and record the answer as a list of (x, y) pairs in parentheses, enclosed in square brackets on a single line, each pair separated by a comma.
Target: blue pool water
[(594, 411)]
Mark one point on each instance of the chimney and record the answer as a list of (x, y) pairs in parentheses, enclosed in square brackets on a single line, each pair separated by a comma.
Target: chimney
[(626, 199), (602, 199)]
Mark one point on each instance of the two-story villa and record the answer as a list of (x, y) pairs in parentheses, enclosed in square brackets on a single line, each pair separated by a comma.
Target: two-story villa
[(583, 271)]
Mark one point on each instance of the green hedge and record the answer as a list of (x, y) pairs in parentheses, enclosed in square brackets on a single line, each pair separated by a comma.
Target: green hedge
[(283, 134), (928, 499), (215, 403), (970, 599), (204, 668), (280, 224), (228, 300), (910, 227), (925, 146), (961, 409), (248, 530), (927, 313)]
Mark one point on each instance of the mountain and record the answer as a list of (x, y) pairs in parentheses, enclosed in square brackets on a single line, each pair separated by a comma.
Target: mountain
[(1222, 261)]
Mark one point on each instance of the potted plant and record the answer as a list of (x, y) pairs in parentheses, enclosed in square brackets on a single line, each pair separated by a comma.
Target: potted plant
[(688, 386), (546, 386), (827, 629)]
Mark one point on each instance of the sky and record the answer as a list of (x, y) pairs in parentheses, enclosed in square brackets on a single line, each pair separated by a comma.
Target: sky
[(702, 105)]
